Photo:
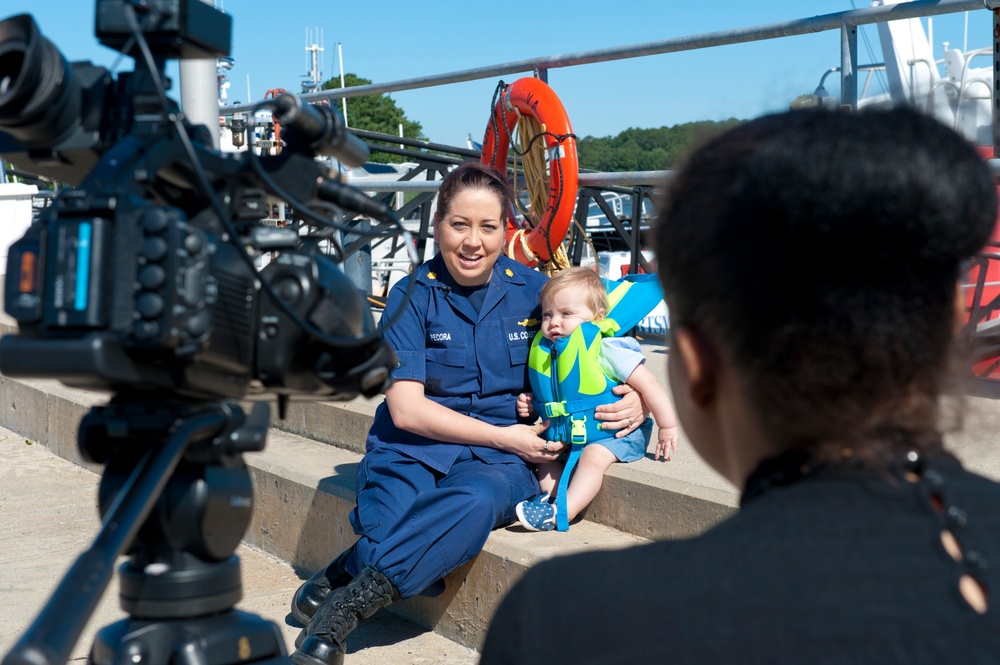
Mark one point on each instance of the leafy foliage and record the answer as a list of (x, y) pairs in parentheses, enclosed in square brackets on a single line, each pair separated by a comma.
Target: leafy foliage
[(647, 149), (376, 113)]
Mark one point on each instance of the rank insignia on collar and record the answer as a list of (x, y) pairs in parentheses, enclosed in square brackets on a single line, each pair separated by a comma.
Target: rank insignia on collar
[(528, 322), (510, 273), (431, 275)]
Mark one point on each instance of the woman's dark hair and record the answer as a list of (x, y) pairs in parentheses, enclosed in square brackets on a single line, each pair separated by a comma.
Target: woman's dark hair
[(473, 175), (821, 250)]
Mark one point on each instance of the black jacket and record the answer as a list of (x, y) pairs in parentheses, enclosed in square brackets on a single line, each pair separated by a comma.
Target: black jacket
[(837, 566)]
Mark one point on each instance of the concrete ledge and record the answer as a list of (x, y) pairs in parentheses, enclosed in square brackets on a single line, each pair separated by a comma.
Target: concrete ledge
[(342, 424), (47, 412), (653, 506), (304, 491), (646, 498)]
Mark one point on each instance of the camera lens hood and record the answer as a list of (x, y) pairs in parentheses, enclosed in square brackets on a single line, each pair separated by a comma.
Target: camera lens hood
[(40, 97)]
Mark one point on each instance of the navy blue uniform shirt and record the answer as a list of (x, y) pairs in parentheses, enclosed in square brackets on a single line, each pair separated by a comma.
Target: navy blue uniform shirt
[(473, 363)]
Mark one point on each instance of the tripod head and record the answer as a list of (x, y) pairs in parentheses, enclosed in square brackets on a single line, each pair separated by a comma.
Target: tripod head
[(181, 560), (176, 497)]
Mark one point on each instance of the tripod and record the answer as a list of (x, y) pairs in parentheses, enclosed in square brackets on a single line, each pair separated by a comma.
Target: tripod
[(176, 497)]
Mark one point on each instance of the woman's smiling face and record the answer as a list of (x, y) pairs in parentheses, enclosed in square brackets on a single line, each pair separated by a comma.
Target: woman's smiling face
[(470, 235)]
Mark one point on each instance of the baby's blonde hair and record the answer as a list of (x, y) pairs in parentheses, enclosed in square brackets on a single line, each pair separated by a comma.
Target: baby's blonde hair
[(584, 278)]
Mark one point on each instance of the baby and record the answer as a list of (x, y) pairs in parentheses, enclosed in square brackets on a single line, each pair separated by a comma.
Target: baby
[(574, 297)]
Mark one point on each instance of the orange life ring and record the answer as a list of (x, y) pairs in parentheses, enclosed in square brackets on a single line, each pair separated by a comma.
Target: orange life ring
[(531, 96)]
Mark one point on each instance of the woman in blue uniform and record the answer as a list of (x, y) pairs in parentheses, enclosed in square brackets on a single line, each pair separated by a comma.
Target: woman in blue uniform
[(446, 460)]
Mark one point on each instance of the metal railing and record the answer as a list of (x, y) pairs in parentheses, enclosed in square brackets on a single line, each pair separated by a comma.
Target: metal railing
[(642, 183), (846, 22)]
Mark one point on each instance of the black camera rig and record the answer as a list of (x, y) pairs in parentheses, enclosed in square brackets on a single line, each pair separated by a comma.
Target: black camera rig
[(140, 277), (141, 281)]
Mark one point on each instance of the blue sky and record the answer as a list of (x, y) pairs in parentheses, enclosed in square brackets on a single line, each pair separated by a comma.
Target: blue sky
[(388, 40)]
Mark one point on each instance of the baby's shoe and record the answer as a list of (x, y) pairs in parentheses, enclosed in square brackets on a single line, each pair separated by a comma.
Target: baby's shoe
[(537, 514)]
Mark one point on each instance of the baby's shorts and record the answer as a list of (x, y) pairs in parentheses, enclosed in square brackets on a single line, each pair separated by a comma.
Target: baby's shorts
[(632, 446)]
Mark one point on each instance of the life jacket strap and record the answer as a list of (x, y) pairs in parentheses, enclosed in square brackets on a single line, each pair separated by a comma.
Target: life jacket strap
[(569, 407), (562, 520)]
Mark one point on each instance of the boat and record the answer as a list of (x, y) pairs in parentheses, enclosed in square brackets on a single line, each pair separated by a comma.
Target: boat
[(957, 92)]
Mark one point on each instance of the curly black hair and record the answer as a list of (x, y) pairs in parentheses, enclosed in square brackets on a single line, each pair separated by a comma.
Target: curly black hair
[(821, 250)]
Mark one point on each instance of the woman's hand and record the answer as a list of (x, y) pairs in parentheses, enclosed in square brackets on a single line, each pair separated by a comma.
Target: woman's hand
[(625, 415), (525, 442), (412, 411)]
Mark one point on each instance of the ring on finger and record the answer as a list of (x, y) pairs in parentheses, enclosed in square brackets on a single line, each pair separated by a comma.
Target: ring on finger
[(546, 447), (629, 422)]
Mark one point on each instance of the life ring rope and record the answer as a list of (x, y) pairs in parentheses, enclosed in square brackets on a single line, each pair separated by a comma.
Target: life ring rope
[(529, 102), (492, 160), (518, 239)]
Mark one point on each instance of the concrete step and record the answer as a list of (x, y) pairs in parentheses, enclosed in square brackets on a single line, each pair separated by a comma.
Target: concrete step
[(304, 491), (648, 498)]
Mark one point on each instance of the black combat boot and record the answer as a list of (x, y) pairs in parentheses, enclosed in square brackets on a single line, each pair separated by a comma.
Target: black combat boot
[(323, 642), (314, 591)]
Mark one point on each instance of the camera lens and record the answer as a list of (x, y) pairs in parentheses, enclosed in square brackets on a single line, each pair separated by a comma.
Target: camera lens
[(40, 98)]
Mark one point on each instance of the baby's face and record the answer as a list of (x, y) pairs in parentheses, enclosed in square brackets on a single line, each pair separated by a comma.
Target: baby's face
[(564, 312)]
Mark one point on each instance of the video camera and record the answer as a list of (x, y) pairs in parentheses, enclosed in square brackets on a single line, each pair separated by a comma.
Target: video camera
[(141, 280), (142, 276)]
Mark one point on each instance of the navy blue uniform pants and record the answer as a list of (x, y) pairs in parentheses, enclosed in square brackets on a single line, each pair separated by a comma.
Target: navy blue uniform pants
[(417, 525)]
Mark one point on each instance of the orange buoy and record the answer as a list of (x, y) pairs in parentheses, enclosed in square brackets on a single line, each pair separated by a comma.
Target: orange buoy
[(531, 96)]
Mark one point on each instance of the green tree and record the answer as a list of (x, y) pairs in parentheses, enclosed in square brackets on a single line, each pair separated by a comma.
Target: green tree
[(647, 149), (375, 113)]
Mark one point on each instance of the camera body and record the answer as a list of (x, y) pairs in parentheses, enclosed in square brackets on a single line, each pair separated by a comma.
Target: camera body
[(139, 279), (110, 292)]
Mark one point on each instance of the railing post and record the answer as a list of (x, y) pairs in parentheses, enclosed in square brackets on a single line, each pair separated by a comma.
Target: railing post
[(996, 83), (358, 266), (849, 66), (579, 239), (636, 222), (542, 74)]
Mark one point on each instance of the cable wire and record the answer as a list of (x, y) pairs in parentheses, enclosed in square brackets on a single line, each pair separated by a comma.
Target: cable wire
[(224, 220)]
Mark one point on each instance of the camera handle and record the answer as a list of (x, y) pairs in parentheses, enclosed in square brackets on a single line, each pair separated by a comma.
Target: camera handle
[(176, 496)]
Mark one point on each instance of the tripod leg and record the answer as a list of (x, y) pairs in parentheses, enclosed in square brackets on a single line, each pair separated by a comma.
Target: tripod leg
[(50, 638)]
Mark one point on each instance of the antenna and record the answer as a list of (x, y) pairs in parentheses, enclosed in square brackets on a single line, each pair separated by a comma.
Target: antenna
[(340, 54), (965, 39), (314, 47)]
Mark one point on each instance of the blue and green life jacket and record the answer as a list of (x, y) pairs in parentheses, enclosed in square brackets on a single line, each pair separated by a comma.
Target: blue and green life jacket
[(568, 383), (566, 376)]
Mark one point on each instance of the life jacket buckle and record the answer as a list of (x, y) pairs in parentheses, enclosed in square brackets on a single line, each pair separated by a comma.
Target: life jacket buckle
[(578, 430), (555, 409)]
